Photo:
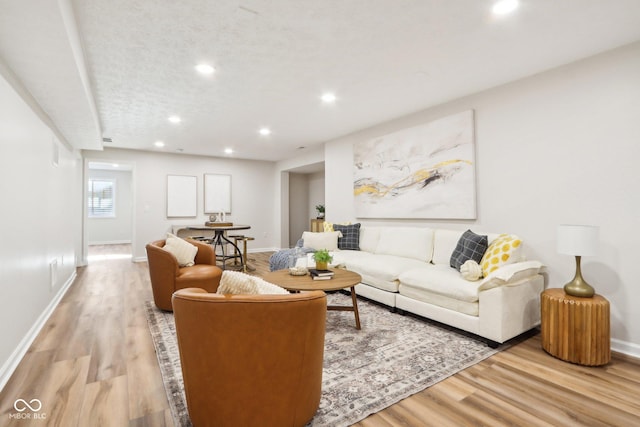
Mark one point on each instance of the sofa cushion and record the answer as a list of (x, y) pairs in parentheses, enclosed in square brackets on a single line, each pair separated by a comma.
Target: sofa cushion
[(423, 295), (237, 283), (380, 271), (317, 241), (444, 242), (350, 239), (471, 246), (505, 249), (184, 251), (369, 237), (408, 242), (442, 280)]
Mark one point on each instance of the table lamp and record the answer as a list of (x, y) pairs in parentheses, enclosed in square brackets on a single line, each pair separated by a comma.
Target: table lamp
[(578, 240)]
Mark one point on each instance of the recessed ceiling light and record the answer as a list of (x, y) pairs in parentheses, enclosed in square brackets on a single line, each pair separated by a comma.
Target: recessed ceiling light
[(205, 69), (328, 98), (504, 7), (228, 151), (115, 165), (175, 119), (159, 144), (264, 131)]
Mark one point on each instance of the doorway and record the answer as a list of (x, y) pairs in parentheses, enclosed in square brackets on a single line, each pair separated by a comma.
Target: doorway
[(306, 191), (108, 209)]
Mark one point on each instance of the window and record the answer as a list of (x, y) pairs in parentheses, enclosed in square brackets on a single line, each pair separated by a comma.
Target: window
[(101, 198)]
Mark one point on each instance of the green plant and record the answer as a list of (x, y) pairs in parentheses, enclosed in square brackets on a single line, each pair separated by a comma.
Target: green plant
[(320, 208), (322, 255)]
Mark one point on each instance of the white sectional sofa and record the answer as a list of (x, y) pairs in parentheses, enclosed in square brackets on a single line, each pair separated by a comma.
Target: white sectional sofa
[(408, 268)]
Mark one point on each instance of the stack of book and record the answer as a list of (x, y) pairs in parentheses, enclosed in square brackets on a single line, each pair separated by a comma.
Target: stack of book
[(320, 274)]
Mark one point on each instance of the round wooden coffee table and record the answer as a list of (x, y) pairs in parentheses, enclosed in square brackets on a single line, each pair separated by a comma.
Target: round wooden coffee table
[(342, 279)]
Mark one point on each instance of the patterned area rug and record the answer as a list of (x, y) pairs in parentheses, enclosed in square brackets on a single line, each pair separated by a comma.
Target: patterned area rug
[(365, 371)]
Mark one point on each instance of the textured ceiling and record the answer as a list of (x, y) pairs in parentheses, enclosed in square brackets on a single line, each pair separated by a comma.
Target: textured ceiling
[(120, 68)]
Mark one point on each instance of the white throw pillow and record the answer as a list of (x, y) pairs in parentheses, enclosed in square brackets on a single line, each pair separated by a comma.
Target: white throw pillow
[(237, 283), (471, 271), (184, 251), (317, 241), (511, 273), (406, 242)]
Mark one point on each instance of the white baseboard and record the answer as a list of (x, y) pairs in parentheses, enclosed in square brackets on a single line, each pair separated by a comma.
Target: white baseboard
[(144, 258), (628, 348), (110, 242), (14, 359), (262, 250)]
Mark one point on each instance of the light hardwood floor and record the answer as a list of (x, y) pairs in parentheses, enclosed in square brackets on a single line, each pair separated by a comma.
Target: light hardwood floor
[(94, 364)]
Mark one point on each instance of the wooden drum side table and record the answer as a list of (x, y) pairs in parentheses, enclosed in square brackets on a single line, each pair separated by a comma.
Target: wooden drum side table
[(575, 329)]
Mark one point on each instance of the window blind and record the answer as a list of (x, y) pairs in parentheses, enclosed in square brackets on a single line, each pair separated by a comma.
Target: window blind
[(101, 198)]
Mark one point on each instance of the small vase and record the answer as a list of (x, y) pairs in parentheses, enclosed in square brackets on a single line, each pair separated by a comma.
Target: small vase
[(321, 265)]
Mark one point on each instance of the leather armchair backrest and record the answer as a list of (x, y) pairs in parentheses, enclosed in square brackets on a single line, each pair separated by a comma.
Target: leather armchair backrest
[(251, 360), (163, 269), (167, 276), (205, 255)]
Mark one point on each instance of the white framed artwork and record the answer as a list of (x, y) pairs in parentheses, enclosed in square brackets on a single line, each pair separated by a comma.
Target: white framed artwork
[(182, 201), (426, 172), (217, 193)]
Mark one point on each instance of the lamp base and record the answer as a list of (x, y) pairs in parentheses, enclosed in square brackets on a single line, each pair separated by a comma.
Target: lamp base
[(579, 288)]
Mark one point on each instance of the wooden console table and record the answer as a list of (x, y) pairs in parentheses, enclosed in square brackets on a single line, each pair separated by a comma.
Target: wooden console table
[(575, 329), (317, 225)]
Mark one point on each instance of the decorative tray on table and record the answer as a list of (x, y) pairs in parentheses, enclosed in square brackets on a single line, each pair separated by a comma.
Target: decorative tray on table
[(298, 271)]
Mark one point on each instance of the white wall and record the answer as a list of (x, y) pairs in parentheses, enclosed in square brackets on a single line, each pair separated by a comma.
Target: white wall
[(41, 217), (558, 147), (316, 193), (119, 229), (252, 194)]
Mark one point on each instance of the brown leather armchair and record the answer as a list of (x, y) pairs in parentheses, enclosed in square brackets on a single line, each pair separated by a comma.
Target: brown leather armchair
[(167, 276), (251, 360)]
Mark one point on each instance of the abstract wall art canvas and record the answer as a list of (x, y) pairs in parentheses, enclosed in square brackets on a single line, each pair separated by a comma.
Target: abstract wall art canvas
[(427, 172)]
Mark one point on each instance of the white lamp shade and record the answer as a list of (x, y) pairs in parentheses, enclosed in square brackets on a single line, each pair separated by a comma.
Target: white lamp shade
[(579, 240)]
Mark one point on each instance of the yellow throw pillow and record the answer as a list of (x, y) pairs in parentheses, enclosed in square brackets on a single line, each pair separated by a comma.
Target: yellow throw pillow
[(328, 226), (505, 249)]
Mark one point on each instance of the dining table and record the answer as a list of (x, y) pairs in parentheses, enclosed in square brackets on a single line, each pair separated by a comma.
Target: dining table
[(220, 240)]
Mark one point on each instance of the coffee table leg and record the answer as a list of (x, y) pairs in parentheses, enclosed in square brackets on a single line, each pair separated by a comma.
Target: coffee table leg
[(355, 306)]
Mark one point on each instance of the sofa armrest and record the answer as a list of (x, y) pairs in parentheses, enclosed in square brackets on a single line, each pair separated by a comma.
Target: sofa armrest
[(510, 274), (507, 311)]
